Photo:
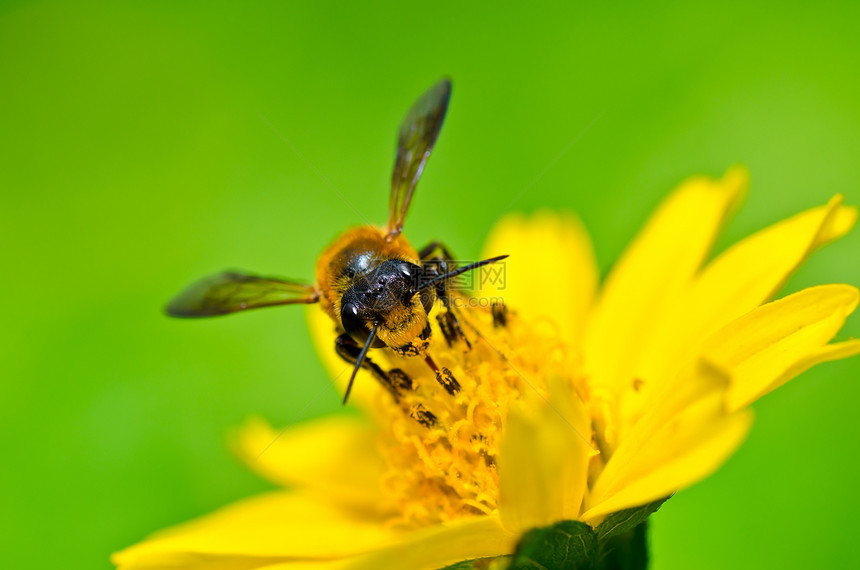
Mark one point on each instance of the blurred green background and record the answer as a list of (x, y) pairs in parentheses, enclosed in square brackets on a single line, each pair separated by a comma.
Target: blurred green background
[(136, 155)]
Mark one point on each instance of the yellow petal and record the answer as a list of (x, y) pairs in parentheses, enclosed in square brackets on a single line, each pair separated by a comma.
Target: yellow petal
[(826, 353), (701, 381), (685, 435), (543, 460), (294, 565), (548, 252), (262, 530), (771, 344), (738, 280), (427, 549), (441, 545), (658, 265), (715, 442), (314, 455), (203, 561)]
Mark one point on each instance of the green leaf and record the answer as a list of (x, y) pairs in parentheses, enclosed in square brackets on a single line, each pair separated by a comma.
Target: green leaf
[(626, 520), (619, 543), (568, 544), (628, 551), (496, 563)]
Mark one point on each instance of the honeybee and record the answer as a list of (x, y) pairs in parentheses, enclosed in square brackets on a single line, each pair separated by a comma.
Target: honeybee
[(375, 286)]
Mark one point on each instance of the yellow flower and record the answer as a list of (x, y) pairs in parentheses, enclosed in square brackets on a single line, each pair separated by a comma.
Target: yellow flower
[(574, 404)]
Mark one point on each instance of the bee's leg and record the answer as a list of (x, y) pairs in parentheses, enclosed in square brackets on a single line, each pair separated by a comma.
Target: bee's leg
[(449, 324), (396, 381), (433, 249), (439, 260), (423, 416), (443, 376), (500, 314)]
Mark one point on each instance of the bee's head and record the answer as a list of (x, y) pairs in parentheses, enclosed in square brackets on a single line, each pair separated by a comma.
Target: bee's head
[(389, 295)]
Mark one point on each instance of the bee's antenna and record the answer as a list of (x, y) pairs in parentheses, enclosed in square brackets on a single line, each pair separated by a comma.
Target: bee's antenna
[(458, 271), (360, 360)]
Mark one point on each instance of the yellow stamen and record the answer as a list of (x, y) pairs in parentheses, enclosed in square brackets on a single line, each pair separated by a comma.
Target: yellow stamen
[(447, 469)]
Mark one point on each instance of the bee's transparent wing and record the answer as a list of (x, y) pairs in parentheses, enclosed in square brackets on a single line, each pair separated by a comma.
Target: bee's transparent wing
[(230, 291), (417, 135)]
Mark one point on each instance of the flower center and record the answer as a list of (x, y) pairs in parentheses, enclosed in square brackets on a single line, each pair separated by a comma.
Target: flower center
[(442, 441)]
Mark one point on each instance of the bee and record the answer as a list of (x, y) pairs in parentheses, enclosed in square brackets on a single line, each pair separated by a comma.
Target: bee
[(376, 287)]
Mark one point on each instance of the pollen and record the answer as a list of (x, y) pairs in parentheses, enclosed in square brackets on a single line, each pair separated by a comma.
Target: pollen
[(440, 444)]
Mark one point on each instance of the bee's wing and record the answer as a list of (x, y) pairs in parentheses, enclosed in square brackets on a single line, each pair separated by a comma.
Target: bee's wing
[(417, 135), (229, 292)]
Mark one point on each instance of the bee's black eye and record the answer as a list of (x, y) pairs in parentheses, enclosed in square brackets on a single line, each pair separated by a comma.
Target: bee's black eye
[(353, 324), (407, 269), (412, 273), (356, 327)]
